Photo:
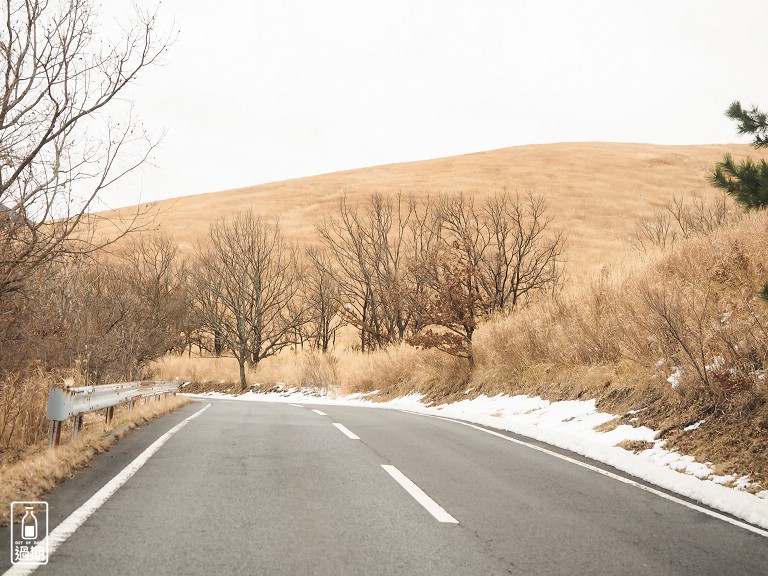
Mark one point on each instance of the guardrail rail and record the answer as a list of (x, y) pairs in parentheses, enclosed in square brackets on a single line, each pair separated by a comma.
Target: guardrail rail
[(73, 402)]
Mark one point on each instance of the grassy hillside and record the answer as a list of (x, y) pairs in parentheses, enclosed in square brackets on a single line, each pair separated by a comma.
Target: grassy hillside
[(595, 190)]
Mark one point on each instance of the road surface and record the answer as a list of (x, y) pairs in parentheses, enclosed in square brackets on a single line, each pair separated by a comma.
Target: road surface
[(277, 489)]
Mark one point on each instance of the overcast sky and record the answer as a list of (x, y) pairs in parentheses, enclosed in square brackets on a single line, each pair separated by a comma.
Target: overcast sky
[(258, 91)]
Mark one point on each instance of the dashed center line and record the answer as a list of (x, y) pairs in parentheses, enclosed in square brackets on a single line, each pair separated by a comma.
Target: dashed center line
[(419, 495), (296, 405), (319, 412), (346, 431)]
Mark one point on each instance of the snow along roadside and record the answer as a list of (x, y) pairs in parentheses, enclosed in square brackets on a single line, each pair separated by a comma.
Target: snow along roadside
[(568, 425)]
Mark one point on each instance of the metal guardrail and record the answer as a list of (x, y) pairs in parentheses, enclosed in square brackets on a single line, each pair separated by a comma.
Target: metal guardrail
[(73, 402)]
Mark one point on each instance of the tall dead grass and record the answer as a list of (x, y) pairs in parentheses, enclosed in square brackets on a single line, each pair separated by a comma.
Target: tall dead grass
[(685, 337), (393, 371), (23, 401), (598, 189), (695, 310)]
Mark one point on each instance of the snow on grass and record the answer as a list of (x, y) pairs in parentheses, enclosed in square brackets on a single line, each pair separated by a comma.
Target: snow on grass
[(694, 426), (674, 378), (569, 425)]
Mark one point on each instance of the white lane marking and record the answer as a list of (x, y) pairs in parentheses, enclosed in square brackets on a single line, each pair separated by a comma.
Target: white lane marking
[(297, 405), (319, 412), (420, 496), (659, 493), (64, 530), (346, 431)]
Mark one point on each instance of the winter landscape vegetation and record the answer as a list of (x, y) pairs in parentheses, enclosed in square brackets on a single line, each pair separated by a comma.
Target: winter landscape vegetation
[(610, 299)]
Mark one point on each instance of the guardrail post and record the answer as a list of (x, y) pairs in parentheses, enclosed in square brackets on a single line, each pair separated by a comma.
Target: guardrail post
[(110, 414), (76, 425), (54, 437)]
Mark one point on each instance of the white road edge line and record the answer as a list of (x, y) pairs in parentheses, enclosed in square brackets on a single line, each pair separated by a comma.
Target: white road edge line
[(419, 495), (319, 412), (296, 405), (68, 527), (346, 431), (634, 483)]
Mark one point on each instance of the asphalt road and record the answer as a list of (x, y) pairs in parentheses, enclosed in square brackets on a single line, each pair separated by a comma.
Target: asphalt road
[(276, 489)]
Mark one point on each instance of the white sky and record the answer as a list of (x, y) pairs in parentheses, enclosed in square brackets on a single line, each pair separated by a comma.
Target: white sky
[(257, 91)]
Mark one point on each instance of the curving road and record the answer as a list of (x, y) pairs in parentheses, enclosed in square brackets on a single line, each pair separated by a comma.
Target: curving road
[(278, 489)]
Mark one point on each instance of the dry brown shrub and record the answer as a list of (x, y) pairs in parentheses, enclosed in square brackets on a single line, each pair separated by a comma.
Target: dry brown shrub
[(694, 311), (401, 370), (318, 372), (23, 402), (635, 445)]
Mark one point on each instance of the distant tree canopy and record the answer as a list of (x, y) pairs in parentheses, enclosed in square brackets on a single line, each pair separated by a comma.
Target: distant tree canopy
[(747, 181)]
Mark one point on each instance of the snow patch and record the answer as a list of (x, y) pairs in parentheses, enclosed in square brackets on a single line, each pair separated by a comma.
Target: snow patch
[(693, 426), (717, 362), (674, 378)]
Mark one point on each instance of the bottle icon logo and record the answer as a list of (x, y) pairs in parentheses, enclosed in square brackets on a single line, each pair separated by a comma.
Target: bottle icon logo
[(29, 524), (29, 533)]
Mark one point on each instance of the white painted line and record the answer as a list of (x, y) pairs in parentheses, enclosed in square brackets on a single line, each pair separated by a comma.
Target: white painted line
[(420, 496), (319, 412), (658, 493), (296, 405), (64, 530), (346, 431)]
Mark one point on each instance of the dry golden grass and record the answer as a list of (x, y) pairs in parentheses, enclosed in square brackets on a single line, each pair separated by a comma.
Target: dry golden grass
[(222, 372), (394, 371), (595, 190), (695, 309), (39, 470)]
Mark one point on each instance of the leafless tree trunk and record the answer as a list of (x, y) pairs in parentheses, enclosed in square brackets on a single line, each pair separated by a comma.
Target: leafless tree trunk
[(370, 248), (247, 284), (321, 292), (489, 259)]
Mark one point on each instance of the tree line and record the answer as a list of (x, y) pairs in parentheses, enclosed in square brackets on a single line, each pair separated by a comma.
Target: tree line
[(394, 268)]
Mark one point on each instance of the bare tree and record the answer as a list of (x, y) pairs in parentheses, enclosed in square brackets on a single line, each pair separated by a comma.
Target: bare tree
[(682, 218), (154, 271), (247, 281), (370, 249), (58, 147), (489, 259)]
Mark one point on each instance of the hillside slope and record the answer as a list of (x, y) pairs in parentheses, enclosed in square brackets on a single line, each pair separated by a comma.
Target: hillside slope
[(595, 190)]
